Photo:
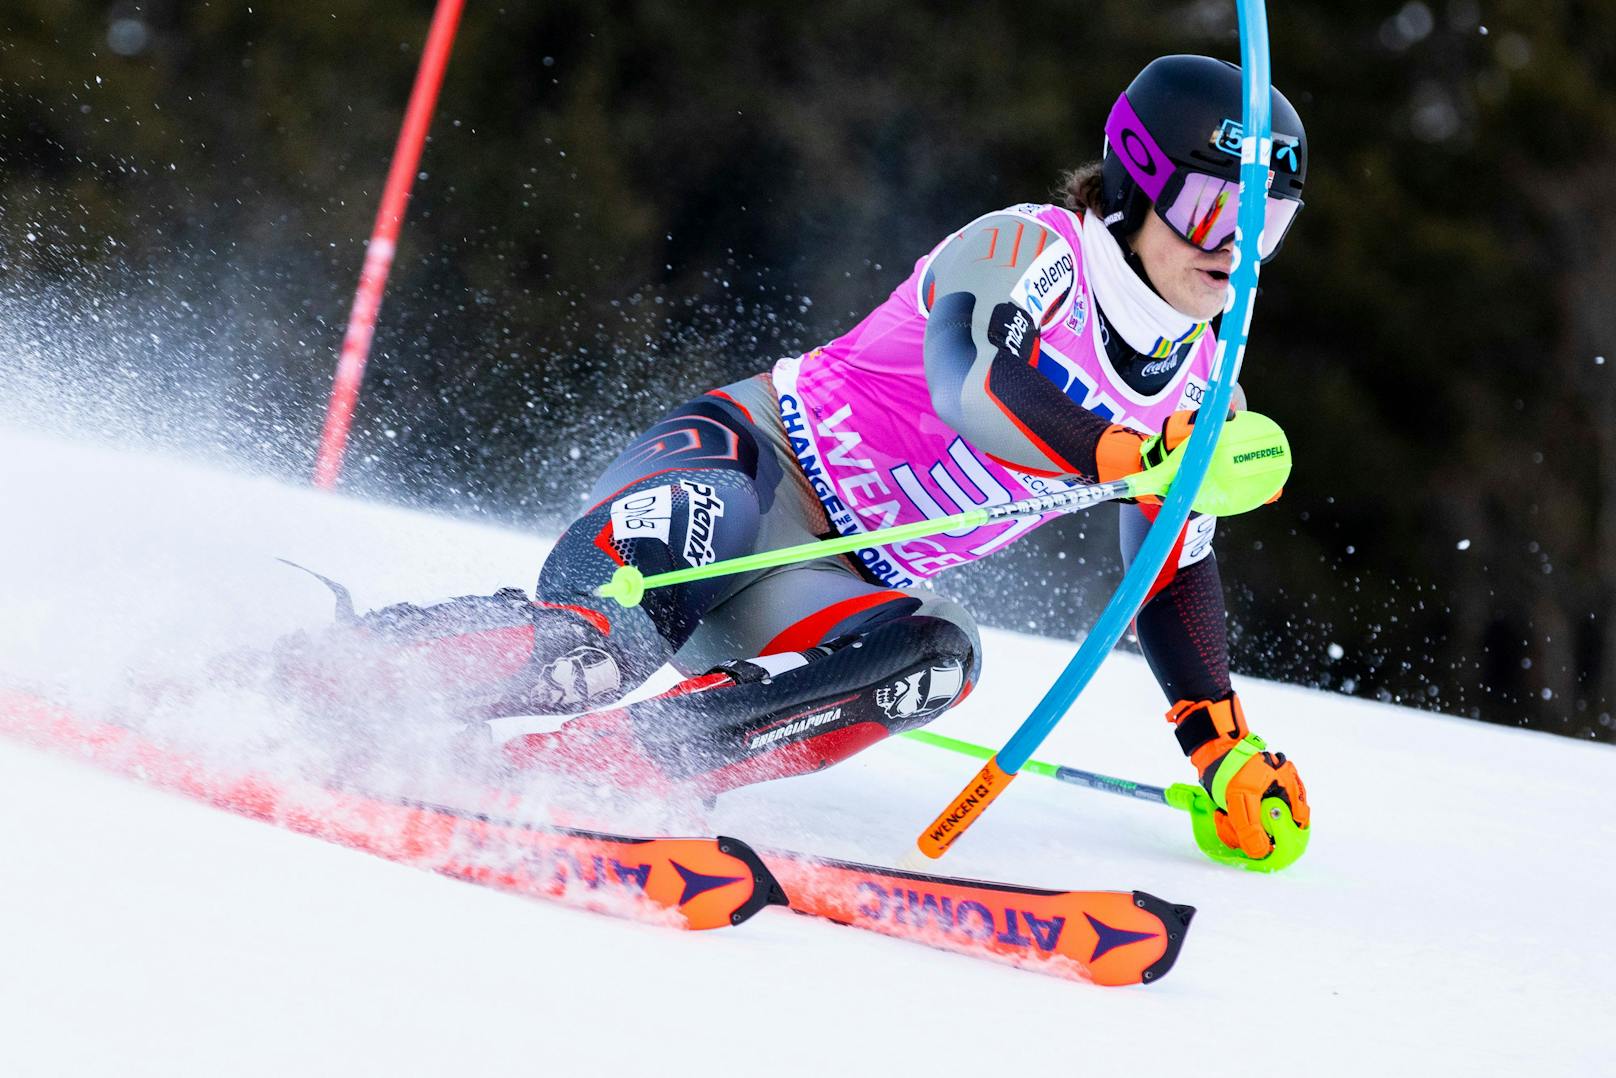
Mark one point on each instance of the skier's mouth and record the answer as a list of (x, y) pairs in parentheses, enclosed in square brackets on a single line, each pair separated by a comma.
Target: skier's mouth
[(1216, 276)]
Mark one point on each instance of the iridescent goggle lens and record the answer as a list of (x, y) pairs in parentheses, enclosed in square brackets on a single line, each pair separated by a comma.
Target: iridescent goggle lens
[(1203, 209)]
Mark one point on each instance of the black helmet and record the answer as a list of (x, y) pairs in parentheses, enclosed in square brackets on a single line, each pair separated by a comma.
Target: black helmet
[(1173, 141)]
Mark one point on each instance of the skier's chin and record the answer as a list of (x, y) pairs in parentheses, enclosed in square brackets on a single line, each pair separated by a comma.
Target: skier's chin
[(1204, 295)]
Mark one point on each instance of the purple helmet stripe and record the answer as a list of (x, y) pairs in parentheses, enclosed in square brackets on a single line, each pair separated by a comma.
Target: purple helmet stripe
[(1144, 160)]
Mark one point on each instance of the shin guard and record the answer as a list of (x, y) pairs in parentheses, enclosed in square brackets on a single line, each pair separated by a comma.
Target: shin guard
[(768, 717)]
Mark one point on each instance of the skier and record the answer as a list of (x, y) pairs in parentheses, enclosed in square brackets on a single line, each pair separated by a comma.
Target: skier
[(1038, 346)]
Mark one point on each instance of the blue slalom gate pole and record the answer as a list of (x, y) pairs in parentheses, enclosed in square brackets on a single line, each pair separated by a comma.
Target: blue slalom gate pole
[(1255, 149)]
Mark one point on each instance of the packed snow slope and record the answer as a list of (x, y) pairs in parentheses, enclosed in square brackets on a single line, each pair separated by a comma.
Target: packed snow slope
[(1453, 915)]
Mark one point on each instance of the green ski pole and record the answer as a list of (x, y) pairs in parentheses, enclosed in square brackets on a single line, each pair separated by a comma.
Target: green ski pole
[(1290, 841), (1249, 466)]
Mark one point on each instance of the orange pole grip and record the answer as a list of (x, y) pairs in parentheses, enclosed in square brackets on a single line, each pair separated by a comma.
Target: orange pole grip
[(964, 810)]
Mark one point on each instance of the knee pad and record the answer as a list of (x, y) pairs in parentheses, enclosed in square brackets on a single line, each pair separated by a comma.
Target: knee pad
[(773, 716), (937, 673), (786, 714)]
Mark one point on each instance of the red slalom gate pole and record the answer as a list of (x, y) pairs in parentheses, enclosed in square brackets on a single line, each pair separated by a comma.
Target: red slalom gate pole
[(383, 241)]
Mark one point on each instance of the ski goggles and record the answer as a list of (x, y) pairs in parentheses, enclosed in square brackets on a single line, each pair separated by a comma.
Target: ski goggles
[(1202, 209), (1198, 206)]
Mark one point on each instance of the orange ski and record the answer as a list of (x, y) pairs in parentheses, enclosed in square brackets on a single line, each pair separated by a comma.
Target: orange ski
[(1111, 938), (689, 882), (1108, 937)]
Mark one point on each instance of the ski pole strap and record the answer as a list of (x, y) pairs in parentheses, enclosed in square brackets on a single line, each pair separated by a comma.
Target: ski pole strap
[(1232, 762)]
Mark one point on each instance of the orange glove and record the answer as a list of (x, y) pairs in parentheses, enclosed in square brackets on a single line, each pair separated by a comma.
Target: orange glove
[(1237, 771), (1119, 453), (1124, 451)]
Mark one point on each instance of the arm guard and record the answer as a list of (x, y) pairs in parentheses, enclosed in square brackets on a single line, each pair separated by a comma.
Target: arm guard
[(982, 358)]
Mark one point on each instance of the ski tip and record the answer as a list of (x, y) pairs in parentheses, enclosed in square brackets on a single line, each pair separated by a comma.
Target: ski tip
[(344, 599), (1175, 918)]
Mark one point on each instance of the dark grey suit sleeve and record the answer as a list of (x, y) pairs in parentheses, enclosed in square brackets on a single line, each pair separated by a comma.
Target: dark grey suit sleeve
[(982, 344)]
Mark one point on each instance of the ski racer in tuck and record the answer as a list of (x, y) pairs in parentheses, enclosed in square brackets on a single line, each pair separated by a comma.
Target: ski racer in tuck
[(1038, 346)]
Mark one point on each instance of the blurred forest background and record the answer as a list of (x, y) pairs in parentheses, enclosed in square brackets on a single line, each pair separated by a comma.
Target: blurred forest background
[(625, 203)]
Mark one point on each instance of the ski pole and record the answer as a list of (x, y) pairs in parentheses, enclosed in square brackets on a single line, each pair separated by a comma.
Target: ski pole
[(1250, 465), (1290, 841)]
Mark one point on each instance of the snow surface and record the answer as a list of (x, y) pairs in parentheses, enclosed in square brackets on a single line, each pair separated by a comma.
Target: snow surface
[(1453, 915)]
